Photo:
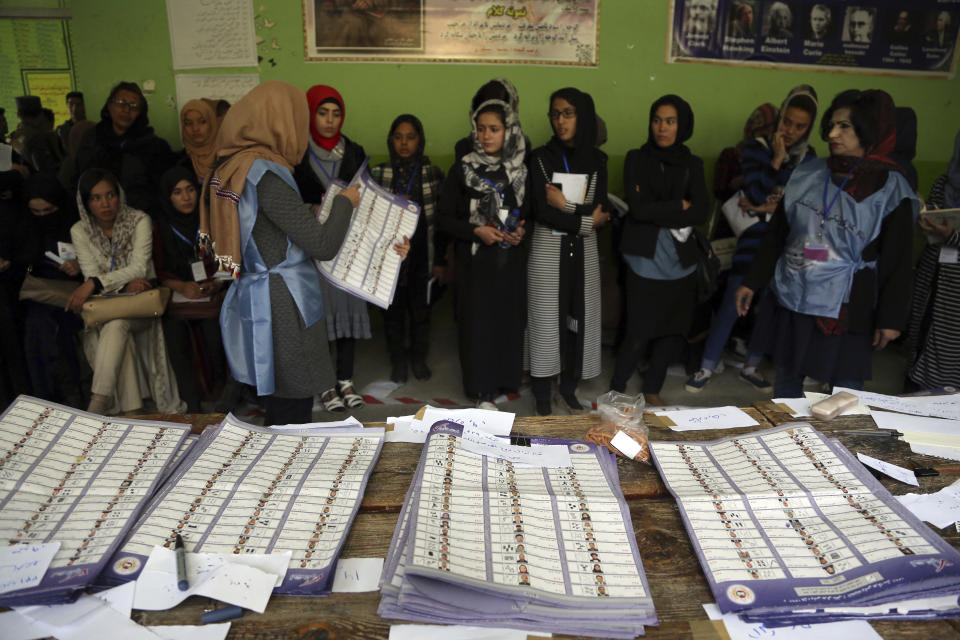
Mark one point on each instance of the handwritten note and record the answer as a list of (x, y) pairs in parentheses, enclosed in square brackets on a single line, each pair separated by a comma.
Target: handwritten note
[(241, 580), (892, 470), (936, 406), (739, 629), (356, 575), (941, 509), (494, 422), (710, 418), (535, 455), (229, 87), (24, 565), (213, 33)]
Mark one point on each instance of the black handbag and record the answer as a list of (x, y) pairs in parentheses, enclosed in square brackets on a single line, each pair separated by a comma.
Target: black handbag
[(708, 267)]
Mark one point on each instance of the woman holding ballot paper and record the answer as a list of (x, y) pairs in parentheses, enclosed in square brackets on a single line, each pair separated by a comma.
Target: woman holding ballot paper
[(483, 207), (252, 211), (839, 251), (329, 156), (568, 180), (667, 194)]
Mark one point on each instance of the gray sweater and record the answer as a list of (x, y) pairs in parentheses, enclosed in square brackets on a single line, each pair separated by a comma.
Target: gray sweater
[(301, 356)]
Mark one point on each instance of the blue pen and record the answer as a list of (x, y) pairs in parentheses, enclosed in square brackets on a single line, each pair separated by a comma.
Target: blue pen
[(182, 582), (221, 615)]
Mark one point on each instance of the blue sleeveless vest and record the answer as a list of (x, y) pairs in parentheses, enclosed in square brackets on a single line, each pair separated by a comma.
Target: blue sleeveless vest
[(245, 317), (817, 287)]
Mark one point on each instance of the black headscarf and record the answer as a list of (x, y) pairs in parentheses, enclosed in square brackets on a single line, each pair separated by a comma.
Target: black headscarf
[(179, 254), (582, 156), (141, 125), (678, 152), (42, 233), (403, 167)]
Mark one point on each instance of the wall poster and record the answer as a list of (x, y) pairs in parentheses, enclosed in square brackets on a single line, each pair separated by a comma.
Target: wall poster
[(534, 31), (880, 36)]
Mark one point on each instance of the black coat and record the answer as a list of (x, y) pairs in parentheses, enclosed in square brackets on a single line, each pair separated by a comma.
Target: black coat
[(654, 192)]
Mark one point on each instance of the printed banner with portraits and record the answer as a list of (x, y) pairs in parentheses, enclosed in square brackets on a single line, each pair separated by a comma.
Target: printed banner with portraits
[(534, 31), (918, 37)]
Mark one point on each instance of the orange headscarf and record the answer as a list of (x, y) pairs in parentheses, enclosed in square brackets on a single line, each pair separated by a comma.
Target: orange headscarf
[(201, 154), (270, 123)]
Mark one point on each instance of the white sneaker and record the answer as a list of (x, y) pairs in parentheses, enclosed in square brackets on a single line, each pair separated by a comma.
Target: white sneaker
[(486, 404)]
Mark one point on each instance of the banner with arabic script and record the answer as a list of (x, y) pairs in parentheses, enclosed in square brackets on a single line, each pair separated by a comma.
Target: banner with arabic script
[(879, 36), (534, 31)]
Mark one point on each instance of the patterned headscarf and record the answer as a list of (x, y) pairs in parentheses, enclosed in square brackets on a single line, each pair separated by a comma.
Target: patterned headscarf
[(202, 154), (120, 245), (270, 123), (512, 158)]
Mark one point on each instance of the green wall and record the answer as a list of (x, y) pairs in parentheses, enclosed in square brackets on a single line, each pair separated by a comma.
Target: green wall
[(122, 40)]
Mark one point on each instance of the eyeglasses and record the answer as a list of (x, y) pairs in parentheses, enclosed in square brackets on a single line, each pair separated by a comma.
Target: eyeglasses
[(566, 114), (123, 104)]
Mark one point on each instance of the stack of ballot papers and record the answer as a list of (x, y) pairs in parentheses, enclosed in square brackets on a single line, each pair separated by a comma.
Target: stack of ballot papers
[(791, 529), (925, 435), (73, 483), (243, 489), (527, 533)]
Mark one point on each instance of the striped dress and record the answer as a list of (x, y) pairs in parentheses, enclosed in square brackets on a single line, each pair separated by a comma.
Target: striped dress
[(544, 281), (933, 338)]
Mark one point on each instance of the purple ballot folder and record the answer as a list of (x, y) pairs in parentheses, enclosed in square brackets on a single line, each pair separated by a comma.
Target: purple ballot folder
[(366, 265), (484, 541), (791, 529), (79, 479), (248, 489)]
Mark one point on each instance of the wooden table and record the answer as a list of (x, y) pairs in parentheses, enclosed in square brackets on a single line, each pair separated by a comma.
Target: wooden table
[(676, 580)]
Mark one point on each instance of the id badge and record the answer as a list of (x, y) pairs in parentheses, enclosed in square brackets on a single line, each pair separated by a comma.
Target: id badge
[(816, 251), (949, 255), (66, 251), (199, 270)]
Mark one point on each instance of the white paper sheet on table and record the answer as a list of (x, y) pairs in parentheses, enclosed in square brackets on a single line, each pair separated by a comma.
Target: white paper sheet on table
[(708, 418), (24, 565), (498, 423), (319, 426), (421, 631), (950, 453), (406, 429), (738, 629), (357, 575), (892, 470), (483, 443), (88, 617), (919, 424), (940, 509), (244, 580), (216, 631), (937, 406)]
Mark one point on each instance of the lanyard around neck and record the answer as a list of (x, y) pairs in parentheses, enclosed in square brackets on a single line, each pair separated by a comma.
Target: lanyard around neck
[(833, 201), (330, 177), (181, 236), (566, 167), (413, 176)]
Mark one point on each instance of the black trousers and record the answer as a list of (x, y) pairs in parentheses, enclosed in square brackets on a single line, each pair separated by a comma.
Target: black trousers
[(409, 305), (345, 349), (287, 410)]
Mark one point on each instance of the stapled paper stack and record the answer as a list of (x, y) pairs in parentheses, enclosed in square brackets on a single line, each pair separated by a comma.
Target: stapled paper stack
[(488, 540), (76, 479), (244, 489), (791, 529)]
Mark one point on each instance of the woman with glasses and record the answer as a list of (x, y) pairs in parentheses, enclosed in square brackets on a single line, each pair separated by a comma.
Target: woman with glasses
[(563, 303), (123, 143)]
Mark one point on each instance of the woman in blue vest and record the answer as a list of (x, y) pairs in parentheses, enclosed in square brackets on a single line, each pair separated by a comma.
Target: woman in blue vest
[(263, 231), (839, 250)]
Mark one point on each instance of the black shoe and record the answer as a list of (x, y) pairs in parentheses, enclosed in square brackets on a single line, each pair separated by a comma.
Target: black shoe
[(420, 370), (544, 408), (571, 400), (399, 371)]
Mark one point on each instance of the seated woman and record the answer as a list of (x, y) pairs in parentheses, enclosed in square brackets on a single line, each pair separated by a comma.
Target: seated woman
[(124, 144), (767, 165), (838, 295), (49, 331), (483, 206), (934, 333), (192, 329), (114, 245), (410, 174), (251, 210), (332, 155), (667, 194), (563, 306), (199, 125)]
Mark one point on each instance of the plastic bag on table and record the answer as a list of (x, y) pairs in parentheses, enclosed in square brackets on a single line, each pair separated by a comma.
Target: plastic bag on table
[(621, 414)]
